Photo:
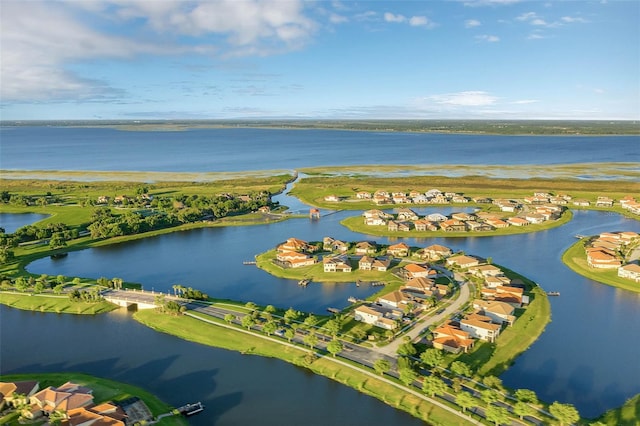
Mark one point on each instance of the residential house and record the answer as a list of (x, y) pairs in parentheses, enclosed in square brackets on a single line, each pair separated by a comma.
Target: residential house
[(453, 225), (393, 300), (295, 244), (381, 264), (497, 223), (400, 198), (480, 329), (400, 250), (338, 263), (481, 200), (462, 261), (499, 312), (375, 317), (518, 221), (534, 218), (365, 263), (581, 203), (486, 270), (103, 199), (420, 199), (106, 414), (64, 398), (604, 202), (366, 247), (435, 252), (462, 217), (436, 217), (459, 199), (420, 284), (392, 225), (452, 339), (413, 270), (630, 271), (340, 246), (363, 195), (293, 259), (332, 198), (406, 214), (472, 225), (17, 393), (421, 224), (599, 258), (496, 281)]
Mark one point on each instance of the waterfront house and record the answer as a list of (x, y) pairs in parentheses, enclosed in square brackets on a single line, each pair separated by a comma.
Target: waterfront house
[(407, 214), (462, 217), (630, 271), (600, 259), (453, 225), (604, 202), (518, 221), (393, 300), (581, 203), (295, 244), (462, 261), (472, 225), (486, 270), (17, 393), (499, 312), (421, 224), (392, 225), (495, 281), (363, 195), (294, 259), (497, 223), (436, 251), (534, 218), (480, 329), (67, 397), (332, 198)]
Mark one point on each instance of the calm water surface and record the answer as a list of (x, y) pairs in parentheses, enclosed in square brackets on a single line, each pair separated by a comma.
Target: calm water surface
[(236, 389), (571, 362), (11, 222), (587, 356), (217, 150)]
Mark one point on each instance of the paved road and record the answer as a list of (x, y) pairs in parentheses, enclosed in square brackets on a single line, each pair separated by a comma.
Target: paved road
[(463, 296)]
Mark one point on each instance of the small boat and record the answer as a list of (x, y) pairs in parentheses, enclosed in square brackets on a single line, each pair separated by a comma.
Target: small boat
[(58, 255), (333, 310), (304, 282), (553, 293), (191, 409)]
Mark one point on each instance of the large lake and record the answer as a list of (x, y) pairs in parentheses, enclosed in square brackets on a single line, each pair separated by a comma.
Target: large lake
[(579, 359)]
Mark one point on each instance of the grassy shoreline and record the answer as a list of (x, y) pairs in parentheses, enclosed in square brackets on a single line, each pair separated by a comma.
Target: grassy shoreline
[(253, 344), (575, 258), (55, 304), (103, 390), (355, 224)]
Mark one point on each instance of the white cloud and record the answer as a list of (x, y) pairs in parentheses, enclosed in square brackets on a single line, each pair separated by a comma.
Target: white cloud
[(390, 17), (528, 16), (41, 39), (571, 20), (419, 21), (471, 23), (477, 3), (468, 98), (525, 102), (488, 38), (334, 18), (536, 35)]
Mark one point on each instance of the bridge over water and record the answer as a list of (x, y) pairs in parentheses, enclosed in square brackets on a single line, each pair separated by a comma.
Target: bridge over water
[(141, 299)]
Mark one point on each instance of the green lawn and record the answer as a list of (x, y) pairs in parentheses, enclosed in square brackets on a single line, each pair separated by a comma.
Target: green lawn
[(576, 259), (627, 415), (57, 304), (252, 344), (494, 359), (103, 390)]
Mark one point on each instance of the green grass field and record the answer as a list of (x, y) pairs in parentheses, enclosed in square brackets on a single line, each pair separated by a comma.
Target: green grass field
[(576, 259), (57, 304)]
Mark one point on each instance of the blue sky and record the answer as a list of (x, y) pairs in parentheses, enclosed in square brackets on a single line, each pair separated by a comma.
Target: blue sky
[(254, 59)]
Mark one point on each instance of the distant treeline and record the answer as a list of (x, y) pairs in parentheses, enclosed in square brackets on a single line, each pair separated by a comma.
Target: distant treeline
[(498, 127)]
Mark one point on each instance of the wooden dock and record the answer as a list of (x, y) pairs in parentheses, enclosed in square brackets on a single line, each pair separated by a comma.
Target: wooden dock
[(191, 409), (304, 282)]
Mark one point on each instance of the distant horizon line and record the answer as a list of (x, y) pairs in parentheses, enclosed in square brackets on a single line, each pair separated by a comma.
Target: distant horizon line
[(317, 120)]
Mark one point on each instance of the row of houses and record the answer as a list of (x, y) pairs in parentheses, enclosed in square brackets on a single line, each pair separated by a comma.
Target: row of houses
[(606, 252), (407, 220), (432, 196), (295, 253), (630, 204), (71, 402)]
